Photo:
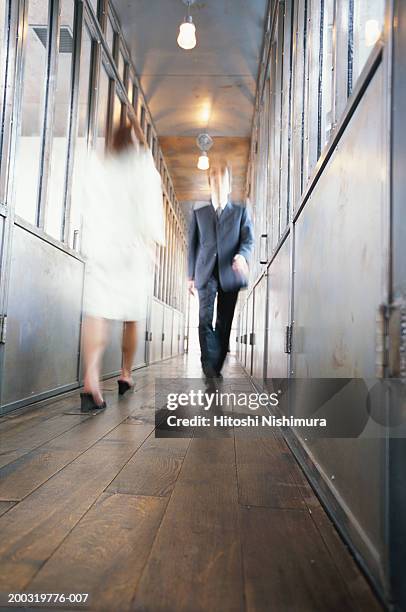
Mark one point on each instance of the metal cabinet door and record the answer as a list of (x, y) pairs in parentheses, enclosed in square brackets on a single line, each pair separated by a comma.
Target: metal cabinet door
[(156, 326), (182, 332), (112, 357), (259, 329), (340, 283), (249, 332), (175, 333), (167, 333), (238, 338), (140, 353), (44, 314), (278, 313), (244, 335)]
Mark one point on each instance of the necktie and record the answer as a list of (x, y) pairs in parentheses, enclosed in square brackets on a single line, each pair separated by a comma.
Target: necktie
[(219, 211)]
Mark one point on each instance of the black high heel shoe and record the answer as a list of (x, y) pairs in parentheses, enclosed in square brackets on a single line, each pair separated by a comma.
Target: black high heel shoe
[(124, 386), (87, 403)]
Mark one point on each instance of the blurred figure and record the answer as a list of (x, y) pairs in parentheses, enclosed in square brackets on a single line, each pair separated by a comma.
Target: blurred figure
[(122, 218), (220, 245)]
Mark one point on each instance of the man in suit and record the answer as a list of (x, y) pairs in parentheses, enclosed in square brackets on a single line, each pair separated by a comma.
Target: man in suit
[(220, 244)]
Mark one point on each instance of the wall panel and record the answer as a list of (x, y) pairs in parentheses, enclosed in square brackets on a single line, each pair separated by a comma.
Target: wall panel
[(249, 330), (167, 331), (339, 281), (156, 326), (112, 355), (139, 357), (244, 334), (259, 329), (44, 310), (278, 312)]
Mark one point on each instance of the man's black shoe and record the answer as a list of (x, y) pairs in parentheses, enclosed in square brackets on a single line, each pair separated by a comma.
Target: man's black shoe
[(211, 384), (209, 372)]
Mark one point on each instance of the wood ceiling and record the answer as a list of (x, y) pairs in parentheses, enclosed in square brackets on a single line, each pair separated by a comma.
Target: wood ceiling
[(181, 154), (209, 89)]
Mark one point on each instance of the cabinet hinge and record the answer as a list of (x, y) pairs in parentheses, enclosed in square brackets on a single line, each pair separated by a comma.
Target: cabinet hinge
[(288, 339), (391, 340), (382, 341), (3, 329)]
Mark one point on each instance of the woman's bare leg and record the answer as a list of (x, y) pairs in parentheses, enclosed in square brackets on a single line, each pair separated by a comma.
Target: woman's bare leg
[(128, 347), (94, 344)]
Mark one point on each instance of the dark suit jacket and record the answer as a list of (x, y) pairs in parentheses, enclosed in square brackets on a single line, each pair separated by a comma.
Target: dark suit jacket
[(211, 238)]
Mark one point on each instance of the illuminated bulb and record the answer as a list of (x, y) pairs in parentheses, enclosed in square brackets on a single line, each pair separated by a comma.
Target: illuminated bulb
[(372, 32), (187, 34), (205, 113), (203, 163)]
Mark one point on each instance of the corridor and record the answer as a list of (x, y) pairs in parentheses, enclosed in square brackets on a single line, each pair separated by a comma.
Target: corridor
[(98, 505), (183, 184)]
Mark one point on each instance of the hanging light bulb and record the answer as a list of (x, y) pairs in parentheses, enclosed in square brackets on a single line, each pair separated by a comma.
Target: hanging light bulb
[(204, 162), (204, 142), (187, 35), (187, 30)]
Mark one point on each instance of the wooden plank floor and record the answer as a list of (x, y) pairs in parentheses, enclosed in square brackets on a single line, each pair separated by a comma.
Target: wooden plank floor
[(99, 505)]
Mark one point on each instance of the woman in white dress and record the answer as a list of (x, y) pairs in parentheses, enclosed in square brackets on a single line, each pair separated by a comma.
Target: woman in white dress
[(123, 218)]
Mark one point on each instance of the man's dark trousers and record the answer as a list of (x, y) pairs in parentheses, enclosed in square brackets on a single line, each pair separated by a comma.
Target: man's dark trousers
[(214, 342)]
